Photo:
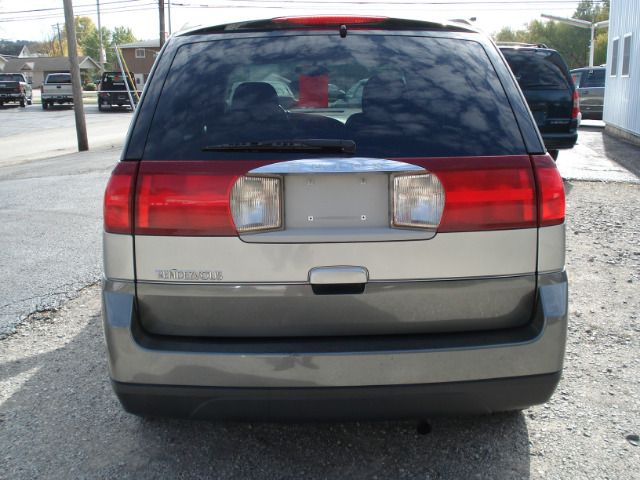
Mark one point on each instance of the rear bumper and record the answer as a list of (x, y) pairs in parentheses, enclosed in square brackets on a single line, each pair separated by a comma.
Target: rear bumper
[(560, 141), (336, 403), (402, 376)]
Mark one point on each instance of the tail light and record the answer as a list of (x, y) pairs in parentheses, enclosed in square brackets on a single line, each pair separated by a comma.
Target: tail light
[(576, 105), (418, 201), (256, 205), (330, 20), (496, 195), (183, 198), (196, 199), (118, 199), (551, 198)]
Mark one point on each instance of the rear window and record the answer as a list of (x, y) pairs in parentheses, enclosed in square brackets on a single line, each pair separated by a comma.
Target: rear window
[(59, 79), (114, 81), (9, 77), (593, 78), (395, 96), (538, 69)]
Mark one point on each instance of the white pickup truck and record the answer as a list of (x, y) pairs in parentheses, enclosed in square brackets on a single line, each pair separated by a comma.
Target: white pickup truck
[(56, 89)]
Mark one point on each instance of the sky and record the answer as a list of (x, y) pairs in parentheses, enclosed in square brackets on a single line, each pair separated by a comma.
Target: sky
[(37, 19)]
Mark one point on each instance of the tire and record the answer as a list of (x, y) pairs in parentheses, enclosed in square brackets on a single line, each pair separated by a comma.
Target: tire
[(22, 103), (554, 154), (30, 101), (100, 107)]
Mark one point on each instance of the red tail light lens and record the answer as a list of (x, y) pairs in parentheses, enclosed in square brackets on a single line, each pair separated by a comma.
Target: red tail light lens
[(118, 198), (185, 198), (551, 198), (330, 20), (576, 105), (499, 194)]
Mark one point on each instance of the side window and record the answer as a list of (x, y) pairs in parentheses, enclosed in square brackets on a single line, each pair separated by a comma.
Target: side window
[(626, 55), (614, 56), (576, 77)]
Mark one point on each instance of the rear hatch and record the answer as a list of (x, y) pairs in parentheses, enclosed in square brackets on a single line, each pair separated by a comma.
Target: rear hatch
[(413, 211), (113, 84)]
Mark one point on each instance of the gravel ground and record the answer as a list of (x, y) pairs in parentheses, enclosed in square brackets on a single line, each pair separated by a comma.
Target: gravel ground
[(59, 418)]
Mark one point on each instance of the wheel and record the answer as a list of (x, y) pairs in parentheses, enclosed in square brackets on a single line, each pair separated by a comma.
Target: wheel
[(22, 103), (554, 154), (30, 101), (45, 104), (100, 107)]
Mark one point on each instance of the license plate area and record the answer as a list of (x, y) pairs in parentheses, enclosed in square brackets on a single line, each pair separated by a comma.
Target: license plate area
[(320, 201)]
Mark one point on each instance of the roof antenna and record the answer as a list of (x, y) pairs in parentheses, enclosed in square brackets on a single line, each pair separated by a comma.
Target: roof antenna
[(343, 31)]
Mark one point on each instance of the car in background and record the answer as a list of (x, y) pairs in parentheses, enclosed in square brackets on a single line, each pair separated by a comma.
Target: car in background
[(400, 258), (589, 82), (113, 91), (15, 88), (56, 88), (548, 87)]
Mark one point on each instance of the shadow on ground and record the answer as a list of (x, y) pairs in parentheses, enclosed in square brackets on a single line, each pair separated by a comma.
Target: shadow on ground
[(65, 422)]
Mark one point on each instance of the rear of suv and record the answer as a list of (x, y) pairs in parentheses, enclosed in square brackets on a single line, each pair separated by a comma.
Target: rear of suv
[(589, 82), (396, 258), (546, 83), (116, 90)]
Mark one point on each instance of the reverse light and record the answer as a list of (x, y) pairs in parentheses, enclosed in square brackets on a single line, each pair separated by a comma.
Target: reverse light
[(256, 204), (418, 201)]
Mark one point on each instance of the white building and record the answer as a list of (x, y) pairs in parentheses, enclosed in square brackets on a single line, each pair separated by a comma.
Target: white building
[(622, 90)]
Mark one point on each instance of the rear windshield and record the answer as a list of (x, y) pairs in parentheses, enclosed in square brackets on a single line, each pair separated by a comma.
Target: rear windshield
[(395, 96), (114, 81), (538, 69), (11, 77), (59, 79), (593, 78)]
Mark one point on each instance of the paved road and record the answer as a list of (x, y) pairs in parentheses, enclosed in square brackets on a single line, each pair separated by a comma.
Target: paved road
[(31, 133), (50, 232)]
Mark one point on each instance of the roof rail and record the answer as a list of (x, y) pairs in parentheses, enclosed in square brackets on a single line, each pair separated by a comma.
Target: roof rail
[(521, 44)]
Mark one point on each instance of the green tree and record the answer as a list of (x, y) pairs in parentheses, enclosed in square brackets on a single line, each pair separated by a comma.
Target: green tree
[(570, 41)]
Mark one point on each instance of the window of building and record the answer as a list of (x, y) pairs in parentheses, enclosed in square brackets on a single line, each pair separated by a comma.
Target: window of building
[(626, 54), (614, 57), (140, 52)]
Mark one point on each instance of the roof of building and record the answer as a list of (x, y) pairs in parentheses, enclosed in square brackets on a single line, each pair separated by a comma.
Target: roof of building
[(47, 64), (143, 44)]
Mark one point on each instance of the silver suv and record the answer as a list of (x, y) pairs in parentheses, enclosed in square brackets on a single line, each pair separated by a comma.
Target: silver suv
[(398, 257), (589, 82)]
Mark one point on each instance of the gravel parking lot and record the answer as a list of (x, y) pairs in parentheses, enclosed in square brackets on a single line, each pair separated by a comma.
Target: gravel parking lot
[(59, 418)]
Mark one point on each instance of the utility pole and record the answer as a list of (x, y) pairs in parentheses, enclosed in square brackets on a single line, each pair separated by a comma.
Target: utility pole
[(161, 12), (78, 106), (101, 53), (60, 40)]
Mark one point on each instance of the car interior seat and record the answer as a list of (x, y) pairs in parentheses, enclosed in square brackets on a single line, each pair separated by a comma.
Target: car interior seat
[(255, 114)]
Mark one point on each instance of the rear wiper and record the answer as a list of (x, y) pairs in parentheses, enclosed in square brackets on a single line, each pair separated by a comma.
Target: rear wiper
[(295, 145)]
